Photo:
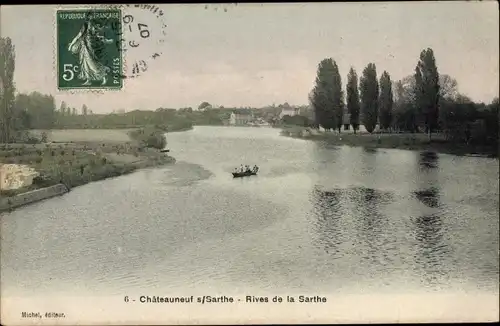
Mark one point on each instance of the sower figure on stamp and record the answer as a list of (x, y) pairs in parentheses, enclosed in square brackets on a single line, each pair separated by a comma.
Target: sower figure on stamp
[(88, 45)]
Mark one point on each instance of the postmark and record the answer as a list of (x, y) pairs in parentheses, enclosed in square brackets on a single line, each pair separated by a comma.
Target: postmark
[(89, 51), (144, 34)]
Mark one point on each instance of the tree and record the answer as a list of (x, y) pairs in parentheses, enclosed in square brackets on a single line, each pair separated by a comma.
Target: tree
[(37, 109), (156, 140), (353, 98), (84, 110), (307, 112), (63, 108), (386, 100), (405, 106), (427, 90), (462, 99), (22, 105), (448, 87), (323, 97), (338, 96), (491, 116), (186, 110), (296, 120), (457, 118), (404, 118), (73, 111), (404, 90), (150, 137), (369, 90), (204, 106), (23, 119), (7, 89)]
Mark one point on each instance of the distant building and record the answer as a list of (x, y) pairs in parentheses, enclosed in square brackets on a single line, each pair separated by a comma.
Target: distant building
[(288, 110), (240, 117)]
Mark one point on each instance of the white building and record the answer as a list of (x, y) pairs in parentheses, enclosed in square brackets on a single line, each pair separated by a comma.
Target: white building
[(240, 117), (288, 110)]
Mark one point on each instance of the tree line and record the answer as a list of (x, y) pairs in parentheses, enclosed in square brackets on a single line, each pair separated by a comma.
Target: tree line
[(20, 112), (422, 102)]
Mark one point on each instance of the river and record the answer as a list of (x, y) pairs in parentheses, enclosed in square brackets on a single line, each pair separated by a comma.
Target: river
[(317, 218)]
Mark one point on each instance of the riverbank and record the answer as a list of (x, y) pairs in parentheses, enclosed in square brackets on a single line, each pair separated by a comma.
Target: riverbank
[(75, 163), (10, 203), (98, 135), (406, 141), (179, 129)]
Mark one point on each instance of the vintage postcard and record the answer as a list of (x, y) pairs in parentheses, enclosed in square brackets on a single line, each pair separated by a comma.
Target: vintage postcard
[(244, 163)]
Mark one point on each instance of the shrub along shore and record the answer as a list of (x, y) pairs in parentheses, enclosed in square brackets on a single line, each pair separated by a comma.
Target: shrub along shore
[(406, 141), (75, 163)]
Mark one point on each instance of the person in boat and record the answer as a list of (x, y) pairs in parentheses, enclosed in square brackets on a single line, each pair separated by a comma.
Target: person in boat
[(247, 169), (242, 168), (255, 169)]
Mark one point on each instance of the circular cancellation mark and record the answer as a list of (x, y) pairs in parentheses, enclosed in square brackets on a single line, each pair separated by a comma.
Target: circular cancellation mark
[(142, 34)]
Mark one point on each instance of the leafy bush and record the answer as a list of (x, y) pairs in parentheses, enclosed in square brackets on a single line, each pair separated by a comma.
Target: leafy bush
[(156, 140), (296, 120), (150, 137)]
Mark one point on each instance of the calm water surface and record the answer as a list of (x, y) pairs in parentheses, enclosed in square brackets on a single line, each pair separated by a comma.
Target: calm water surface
[(317, 217)]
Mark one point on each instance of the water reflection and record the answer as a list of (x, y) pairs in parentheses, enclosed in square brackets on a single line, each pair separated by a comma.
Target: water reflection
[(372, 224), (350, 221), (429, 197), (433, 250), (324, 155), (327, 209), (428, 179), (428, 160)]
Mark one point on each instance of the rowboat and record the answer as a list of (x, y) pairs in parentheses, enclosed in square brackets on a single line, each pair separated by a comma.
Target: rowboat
[(243, 174)]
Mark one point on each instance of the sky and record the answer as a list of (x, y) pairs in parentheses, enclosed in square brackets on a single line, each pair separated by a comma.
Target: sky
[(259, 54)]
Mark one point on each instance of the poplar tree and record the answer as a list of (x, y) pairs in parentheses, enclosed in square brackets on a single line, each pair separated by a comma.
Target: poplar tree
[(323, 95), (338, 95), (7, 89), (427, 91), (353, 99), (386, 100), (369, 91)]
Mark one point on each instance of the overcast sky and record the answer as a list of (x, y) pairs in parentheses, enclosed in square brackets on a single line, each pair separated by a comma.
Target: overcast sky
[(254, 55)]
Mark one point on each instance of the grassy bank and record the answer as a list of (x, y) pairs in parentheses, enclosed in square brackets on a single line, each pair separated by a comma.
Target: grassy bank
[(407, 141), (97, 135), (77, 158)]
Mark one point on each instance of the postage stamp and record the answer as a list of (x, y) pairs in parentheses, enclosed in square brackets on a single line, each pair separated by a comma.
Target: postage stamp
[(89, 50)]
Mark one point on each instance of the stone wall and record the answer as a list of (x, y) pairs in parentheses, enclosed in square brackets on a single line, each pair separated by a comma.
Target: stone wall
[(7, 203)]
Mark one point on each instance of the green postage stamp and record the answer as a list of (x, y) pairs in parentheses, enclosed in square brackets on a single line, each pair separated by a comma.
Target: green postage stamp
[(89, 54)]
